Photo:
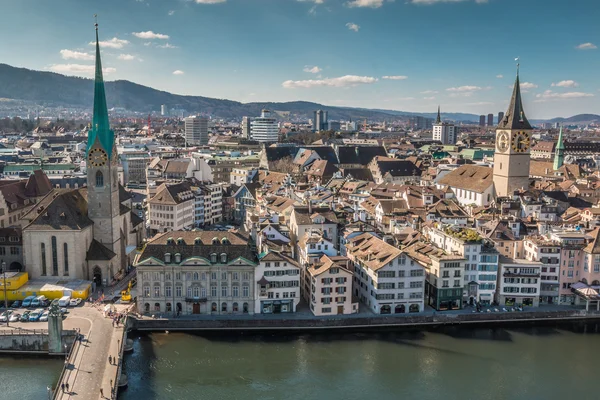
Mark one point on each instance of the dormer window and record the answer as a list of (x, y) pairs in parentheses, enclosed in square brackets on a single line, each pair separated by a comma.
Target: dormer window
[(180, 241), (213, 258), (224, 241), (177, 258), (223, 258), (170, 241), (197, 241), (167, 257), (215, 240)]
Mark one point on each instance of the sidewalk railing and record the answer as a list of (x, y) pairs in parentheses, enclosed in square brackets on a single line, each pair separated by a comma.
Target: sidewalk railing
[(73, 351), (121, 351), (20, 331)]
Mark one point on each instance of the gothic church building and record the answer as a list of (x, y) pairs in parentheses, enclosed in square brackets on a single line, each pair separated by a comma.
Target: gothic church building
[(88, 233)]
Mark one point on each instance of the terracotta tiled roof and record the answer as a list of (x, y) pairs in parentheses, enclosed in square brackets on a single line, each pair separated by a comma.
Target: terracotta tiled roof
[(469, 177)]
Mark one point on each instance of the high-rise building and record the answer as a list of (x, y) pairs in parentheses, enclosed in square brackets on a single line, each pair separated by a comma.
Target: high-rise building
[(482, 120), (163, 110), (196, 131), (246, 121), (419, 123), (320, 121), (512, 157), (443, 131), (264, 129), (490, 120), (500, 116)]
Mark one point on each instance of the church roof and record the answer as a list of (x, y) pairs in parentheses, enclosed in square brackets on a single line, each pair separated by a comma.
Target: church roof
[(100, 124), (515, 118), (38, 184), (99, 252), (469, 177), (61, 209)]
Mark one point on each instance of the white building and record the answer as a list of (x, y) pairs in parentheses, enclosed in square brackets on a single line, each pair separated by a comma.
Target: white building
[(548, 252), (472, 185), (208, 203), (443, 131), (278, 284), (239, 176), (519, 282), (386, 280), (329, 285), (163, 110), (264, 129), (171, 208), (196, 131)]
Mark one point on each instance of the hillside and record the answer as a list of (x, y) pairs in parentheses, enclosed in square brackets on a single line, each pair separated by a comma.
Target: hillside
[(578, 119), (48, 88)]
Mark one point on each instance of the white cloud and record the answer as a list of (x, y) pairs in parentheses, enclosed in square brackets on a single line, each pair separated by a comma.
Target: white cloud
[(76, 55), (312, 1), (568, 83), (586, 46), (527, 85), (312, 70), (429, 98), (149, 35), (78, 69), (178, 72), (126, 57), (365, 3), (342, 81), (430, 92), (464, 89), (430, 2), (168, 46), (171, 12), (113, 43), (499, 76), (210, 1), (395, 77), (550, 95), (352, 26)]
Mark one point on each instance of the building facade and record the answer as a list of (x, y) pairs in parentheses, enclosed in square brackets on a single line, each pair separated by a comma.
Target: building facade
[(264, 129), (196, 131)]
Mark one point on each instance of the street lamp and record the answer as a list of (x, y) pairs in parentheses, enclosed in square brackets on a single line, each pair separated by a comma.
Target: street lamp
[(5, 299)]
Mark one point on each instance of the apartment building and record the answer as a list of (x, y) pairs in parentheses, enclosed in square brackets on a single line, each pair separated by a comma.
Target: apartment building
[(444, 275), (171, 208), (222, 166), (386, 279), (572, 259), (239, 176), (183, 273), (546, 251), (481, 260), (329, 284), (278, 284), (519, 282), (208, 203)]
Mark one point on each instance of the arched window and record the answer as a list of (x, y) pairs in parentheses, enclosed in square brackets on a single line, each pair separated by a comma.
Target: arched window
[(146, 307), (213, 258), (213, 307), (245, 308), (66, 257), (99, 179), (196, 276), (223, 258), (54, 257), (235, 307), (157, 307), (169, 308), (224, 307), (43, 250)]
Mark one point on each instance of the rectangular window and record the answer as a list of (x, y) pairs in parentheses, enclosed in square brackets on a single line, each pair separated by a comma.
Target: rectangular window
[(246, 276), (66, 257), (54, 257), (245, 291), (236, 291), (178, 291), (168, 291), (326, 310), (224, 291), (213, 291)]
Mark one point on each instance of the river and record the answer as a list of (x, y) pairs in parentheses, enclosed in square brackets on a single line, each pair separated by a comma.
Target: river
[(452, 363)]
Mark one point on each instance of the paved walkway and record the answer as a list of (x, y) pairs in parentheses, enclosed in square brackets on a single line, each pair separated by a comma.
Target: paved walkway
[(88, 369)]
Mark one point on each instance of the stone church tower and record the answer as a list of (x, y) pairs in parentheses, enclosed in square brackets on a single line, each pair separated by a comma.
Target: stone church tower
[(513, 141), (102, 172)]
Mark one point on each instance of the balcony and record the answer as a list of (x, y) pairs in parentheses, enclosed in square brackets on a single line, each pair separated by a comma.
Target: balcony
[(521, 275), (195, 299)]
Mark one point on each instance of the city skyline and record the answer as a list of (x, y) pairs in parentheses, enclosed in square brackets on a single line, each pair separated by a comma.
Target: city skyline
[(339, 53)]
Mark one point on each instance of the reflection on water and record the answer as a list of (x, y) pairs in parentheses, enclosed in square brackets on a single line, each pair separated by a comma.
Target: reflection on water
[(26, 378), (451, 363)]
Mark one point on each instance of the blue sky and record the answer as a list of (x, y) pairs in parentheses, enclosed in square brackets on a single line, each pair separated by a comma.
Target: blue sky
[(393, 54)]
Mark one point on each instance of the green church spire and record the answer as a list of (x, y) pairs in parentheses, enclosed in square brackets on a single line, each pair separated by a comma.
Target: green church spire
[(559, 153), (100, 125)]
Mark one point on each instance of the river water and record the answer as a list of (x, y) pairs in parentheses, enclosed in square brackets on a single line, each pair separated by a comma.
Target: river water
[(453, 363)]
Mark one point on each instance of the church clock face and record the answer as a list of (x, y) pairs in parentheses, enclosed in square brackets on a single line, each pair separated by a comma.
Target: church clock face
[(502, 142), (97, 158), (520, 142)]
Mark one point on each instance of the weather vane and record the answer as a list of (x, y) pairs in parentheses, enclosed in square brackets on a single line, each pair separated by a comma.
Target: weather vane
[(96, 21), (518, 64)]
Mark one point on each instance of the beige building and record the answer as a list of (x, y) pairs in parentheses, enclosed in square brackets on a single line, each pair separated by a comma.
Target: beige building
[(171, 208), (330, 287)]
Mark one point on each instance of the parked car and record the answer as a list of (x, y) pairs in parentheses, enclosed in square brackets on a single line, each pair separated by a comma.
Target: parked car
[(27, 301), (16, 304), (74, 302), (44, 316), (35, 315), (5, 315), (25, 316), (15, 317)]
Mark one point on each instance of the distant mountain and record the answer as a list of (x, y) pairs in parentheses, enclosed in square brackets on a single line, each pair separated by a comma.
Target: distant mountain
[(578, 119), (51, 89)]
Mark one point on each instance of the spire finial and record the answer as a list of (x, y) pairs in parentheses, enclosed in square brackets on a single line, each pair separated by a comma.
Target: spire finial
[(439, 117), (96, 21), (518, 65)]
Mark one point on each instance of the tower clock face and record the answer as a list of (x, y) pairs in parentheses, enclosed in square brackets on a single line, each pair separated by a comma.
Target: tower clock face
[(520, 142), (502, 142), (97, 158)]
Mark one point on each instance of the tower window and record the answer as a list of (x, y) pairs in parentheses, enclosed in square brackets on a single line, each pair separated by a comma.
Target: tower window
[(99, 179), (54, 257)]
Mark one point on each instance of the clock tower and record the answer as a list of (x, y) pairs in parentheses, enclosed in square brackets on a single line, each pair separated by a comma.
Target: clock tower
[(102, 167), (513, 141)]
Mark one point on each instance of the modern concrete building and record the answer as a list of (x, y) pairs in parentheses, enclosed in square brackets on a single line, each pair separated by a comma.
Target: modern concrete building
[(443, 131), (490, 120), (482, 120), (500, 116), (320, 121), (246, 125), (196, 131), (264, 129), (163, 110)]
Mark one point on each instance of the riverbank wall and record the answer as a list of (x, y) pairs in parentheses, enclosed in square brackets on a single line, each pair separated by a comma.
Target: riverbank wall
[(34, 341), (355, 323)]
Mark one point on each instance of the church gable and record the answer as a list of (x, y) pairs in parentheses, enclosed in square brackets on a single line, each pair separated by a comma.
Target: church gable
[(61, 209)]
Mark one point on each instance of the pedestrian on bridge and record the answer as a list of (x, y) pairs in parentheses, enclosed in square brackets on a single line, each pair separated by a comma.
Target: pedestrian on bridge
[(67, 386), (62, 386), (110, 360), (101, 392)]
